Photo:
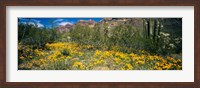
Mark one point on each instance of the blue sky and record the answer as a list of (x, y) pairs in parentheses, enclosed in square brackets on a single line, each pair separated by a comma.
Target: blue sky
[(46, 22)]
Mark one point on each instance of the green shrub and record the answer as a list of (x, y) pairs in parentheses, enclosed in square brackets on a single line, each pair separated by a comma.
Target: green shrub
[(34, 36)]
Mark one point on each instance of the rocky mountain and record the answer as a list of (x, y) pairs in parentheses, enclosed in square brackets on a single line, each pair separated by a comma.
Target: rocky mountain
[(110, 22), (68, 27), (90, 23), (64, 28)]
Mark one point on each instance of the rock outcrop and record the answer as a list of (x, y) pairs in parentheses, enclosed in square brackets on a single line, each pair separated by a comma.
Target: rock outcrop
[(112, 22), (109, 22), (90, 23), (64, 28)]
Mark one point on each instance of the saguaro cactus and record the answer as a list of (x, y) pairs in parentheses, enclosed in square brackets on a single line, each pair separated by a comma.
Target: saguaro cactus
[(144, 28), (160, 27), (148, 27), (152, 31)]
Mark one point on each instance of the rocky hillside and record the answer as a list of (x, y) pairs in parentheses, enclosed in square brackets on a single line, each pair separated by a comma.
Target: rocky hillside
[(113, 22), (68, 27), (110, 22), (168, 24), (64, 28)]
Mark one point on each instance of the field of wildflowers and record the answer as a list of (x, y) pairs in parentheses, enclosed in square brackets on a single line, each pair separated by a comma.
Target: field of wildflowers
[(72, 56), (110, 44)]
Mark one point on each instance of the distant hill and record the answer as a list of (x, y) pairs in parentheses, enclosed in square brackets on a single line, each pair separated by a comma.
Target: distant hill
[(64, 28), (170, 25)]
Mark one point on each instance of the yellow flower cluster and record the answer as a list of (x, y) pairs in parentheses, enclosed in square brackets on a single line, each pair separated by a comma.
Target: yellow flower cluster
[(78, 65), (72, 56)]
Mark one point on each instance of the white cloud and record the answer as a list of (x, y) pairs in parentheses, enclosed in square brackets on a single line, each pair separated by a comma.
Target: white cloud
[(23, 22), (40, 25), (34, 24), (26, 20), (57, 20), (37, 21), (64, 23), (31, 23)]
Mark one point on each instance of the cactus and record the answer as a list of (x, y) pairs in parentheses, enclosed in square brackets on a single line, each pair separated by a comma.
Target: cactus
[(148, 27), (160, 27), (145, 28), (152, 31)]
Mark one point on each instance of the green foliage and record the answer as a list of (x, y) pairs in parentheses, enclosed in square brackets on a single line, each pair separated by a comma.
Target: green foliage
[(128, 38), (81, 34), (151, 38), (65, 52), (83, 47), (34, 36)]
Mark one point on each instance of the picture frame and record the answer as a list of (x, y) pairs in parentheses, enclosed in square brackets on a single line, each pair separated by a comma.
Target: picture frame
[(3, 65)]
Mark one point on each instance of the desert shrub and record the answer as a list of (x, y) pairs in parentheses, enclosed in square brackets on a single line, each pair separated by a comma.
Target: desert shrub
[(65, 52), (81, 34), (127, 37), (34, 36)]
